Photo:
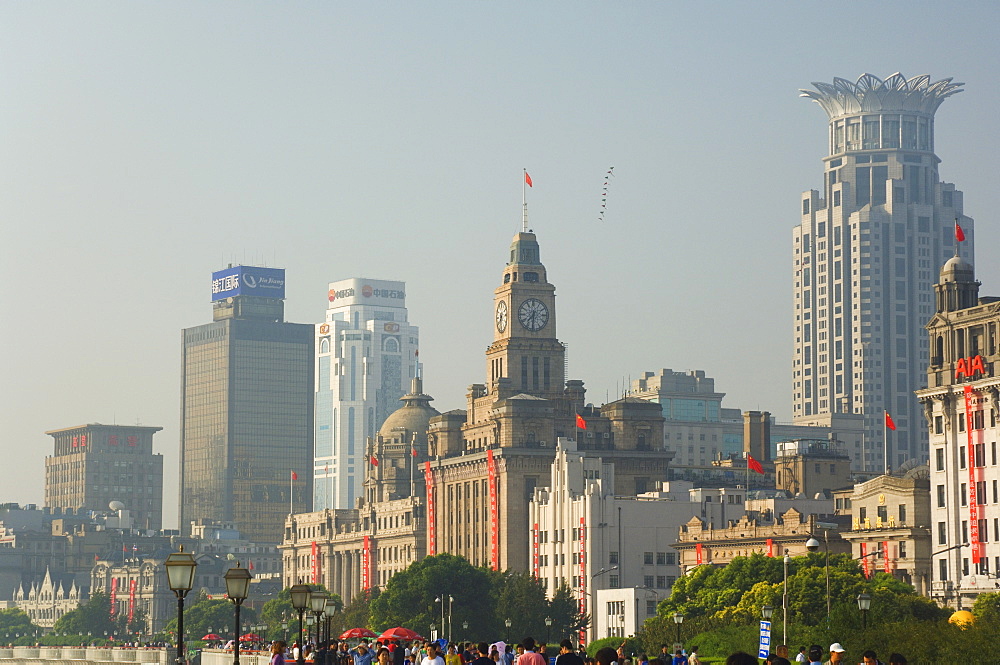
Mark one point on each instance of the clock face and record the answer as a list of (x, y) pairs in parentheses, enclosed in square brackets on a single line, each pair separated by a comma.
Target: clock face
[(533, 314), (502, 316)]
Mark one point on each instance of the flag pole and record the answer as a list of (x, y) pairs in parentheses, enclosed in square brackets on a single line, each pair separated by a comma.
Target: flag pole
[(748, 478), (291, 494), (524, 201), (885, 440)]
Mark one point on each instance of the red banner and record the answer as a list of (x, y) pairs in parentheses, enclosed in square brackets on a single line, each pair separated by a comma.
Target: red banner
[(491, 472), (974, 437), (431, 523), (583, 575), (534, 550), (366, 563), (697, 553), (315, 563), (886, 559), (131, 600), (864, 560), (770, 547), (114, 595)]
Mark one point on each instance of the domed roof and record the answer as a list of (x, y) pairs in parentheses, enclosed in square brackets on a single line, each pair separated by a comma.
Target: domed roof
[(957, 269), (413, 416)]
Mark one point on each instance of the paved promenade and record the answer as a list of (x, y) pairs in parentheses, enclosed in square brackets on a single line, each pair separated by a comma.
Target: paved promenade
[(110, 656)]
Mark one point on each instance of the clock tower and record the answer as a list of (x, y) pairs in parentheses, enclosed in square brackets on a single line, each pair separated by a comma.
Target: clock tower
[(525, 356)]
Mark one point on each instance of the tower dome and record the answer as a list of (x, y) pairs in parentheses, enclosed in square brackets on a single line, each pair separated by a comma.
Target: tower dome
[(957, 287), (410, 419), (957, 269)]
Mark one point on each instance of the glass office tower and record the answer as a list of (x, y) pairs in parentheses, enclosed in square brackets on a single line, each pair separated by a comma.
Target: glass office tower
[(247, 409)]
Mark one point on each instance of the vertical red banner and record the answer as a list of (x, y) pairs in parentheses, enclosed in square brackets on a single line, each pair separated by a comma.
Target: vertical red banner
[(583, 575), (973, 437), (315, 563), (886, 559), (770, 547), (491, 474), (431, 522), (114, 596), (697, 553), (366, 563), (131, 600), (534, 550), (864, 560)]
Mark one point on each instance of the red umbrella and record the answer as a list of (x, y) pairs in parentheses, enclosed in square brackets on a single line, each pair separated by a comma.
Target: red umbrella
[(400, 633), (211, 636), (249, 637), (356, 633)]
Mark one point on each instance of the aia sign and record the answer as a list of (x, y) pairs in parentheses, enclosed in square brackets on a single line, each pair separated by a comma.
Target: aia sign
[(969, 367)]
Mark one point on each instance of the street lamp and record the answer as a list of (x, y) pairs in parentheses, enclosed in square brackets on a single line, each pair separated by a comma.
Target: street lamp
[(317, 602), (548, 630), (300, 601), (451, 600), (678, 620), (812, 545), (864, 604), (433, 626), (284, 628), (784, 601), (507, 622), (465, 630), (237, 588), (767, 612), (180, 567), (440, 601)]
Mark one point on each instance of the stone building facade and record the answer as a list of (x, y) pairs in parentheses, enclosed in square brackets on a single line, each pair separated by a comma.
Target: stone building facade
[(962, 407)]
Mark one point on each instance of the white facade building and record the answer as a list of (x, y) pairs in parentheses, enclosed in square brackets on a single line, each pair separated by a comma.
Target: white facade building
[(866, 250), (585, 537), (366, 356)]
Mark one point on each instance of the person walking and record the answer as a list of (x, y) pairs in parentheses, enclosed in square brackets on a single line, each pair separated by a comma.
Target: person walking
[(278, 653), (432, 657), (530, 656), (836, 654), (567, 656), (482, 656), (801, 656)]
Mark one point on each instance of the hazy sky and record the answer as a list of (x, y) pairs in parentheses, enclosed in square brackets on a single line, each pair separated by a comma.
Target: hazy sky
[(145, 145)]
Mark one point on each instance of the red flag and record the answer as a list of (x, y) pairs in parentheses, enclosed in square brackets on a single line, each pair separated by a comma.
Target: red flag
[(959, 233), (251, 566), (295, 476), (527, 179), (753, 464), (580, 422), (414, 451), (888, 422), (374, 461)]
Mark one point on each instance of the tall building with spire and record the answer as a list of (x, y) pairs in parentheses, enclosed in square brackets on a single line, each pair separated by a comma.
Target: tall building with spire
[(366, 358), (866, 250)]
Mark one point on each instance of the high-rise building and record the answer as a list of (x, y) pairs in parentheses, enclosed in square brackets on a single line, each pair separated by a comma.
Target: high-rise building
[(95, 465), (366, 358), (961, 403), (246, 408), (866, 251)]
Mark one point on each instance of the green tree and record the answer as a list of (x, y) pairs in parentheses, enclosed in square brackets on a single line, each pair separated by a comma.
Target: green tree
[(219, 615), (986, 609), (357, 614), (409, 597), (15, 622), (93, 617)]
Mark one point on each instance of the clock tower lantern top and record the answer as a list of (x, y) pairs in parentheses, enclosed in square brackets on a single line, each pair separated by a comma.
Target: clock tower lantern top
[(524, 259)]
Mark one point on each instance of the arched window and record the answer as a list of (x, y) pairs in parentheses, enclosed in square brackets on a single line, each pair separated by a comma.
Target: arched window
[(324, 345)]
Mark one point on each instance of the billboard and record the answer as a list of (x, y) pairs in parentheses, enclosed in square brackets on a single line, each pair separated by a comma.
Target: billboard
[(362, 291), (248, 281)]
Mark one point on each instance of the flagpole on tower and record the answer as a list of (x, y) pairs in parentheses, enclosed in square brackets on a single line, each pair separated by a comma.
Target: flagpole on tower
[(525, 183)]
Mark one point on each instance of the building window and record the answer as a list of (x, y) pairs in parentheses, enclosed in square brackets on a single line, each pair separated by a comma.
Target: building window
[(647, 581), (942, 569), (650, 607), (942, 533), (980, 453), (661, 557), (613, 558), (962, 489), (613, 581), (961, 457), (902, 513), (939, 459), (647, 558), (902, 549), (940, 496), (661, 581), (938, 425)]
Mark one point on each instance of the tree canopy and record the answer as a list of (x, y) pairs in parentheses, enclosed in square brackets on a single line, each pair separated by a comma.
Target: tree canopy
[(94, 618), (211, 616)]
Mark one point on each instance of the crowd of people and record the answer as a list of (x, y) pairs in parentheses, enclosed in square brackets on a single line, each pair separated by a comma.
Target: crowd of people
[(813, 655)]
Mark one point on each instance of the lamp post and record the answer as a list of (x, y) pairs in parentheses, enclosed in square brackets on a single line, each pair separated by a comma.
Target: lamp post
[(180, 567), (440, 601), (812, 545), (548, 630), (465, 630), (237, 588), (284, 629), (433, 627), (300, 601), (678, 620), (451, 600), (317, 602), (507, 622), (864, 604), (784, 601), (767, 612)]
